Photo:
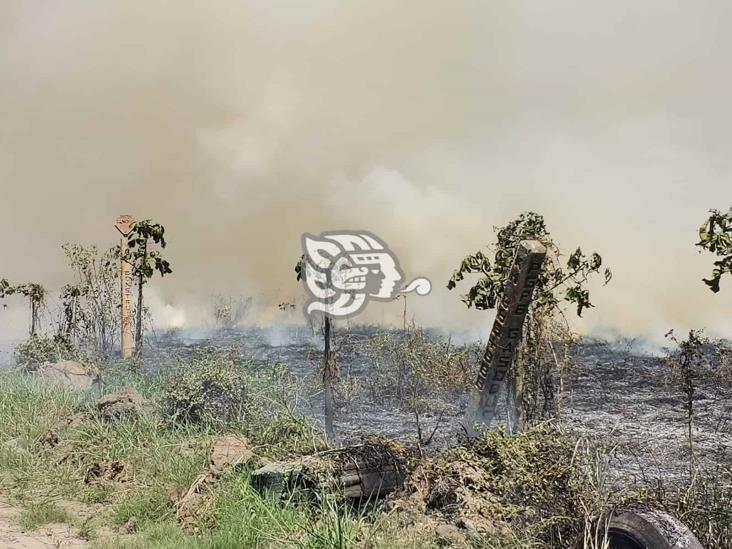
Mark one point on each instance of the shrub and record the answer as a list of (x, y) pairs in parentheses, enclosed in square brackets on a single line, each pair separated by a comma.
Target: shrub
[(209, 388), (529, 488), (36, 350), (420, 373)]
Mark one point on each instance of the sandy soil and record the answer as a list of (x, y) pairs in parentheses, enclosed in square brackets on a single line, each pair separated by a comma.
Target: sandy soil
[(12, 536)]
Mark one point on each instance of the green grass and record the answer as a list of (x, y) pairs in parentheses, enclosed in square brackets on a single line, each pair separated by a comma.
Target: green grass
[(161, 460), (41, 514)]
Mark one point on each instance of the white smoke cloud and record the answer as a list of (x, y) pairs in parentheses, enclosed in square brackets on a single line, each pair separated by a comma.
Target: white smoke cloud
[(241, 125)]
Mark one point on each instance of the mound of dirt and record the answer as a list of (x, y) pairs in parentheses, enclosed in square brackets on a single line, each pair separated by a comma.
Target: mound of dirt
[(52, 436), (126, 403), (227, 453)]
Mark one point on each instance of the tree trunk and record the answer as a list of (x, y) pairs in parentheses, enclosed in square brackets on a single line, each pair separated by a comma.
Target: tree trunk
[(690, 421), (328, 381), (138, 315), (34, 315), (140, 284)]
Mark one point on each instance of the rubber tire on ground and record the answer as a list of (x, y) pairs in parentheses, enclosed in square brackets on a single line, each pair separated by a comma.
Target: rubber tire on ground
[(649, 530)]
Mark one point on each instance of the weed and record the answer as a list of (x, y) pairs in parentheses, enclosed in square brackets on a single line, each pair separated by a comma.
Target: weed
[(41, 514)]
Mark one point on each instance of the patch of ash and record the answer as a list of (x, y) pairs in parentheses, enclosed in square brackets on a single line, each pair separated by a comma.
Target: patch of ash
[(617, 394), (624, 401)]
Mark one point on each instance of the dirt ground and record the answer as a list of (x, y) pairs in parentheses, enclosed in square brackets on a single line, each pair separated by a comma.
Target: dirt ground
[(12, 536)]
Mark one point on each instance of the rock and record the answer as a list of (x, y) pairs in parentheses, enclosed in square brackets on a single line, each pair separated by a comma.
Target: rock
[(229, 452), (69, 374), (123, 404)]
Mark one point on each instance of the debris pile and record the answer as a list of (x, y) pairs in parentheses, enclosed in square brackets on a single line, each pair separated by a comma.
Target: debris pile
[(499, 483)]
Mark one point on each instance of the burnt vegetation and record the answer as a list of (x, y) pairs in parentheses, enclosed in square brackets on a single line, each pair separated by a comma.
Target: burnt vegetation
[(353, 436)]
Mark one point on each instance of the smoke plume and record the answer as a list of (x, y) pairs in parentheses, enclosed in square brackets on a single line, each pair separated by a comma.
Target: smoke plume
[(240, 125)]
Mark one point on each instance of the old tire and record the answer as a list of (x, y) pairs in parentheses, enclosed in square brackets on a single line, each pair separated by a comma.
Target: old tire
[(649, 530)]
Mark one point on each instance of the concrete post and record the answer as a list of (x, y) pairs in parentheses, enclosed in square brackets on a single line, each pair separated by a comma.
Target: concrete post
[(124, 226), (506, 333)]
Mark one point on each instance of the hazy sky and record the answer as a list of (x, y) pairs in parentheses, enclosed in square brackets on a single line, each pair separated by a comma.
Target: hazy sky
[(240, 125)]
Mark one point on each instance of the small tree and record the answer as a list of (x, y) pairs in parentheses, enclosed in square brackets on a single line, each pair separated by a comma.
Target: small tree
[(90, 304), (420, 374), (688, 365), (143, 254), (329, 373), (715, 235), (36, 295), (560, 283)]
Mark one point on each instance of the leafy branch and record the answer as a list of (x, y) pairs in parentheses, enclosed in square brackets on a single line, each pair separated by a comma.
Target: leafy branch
[(715, 235), (556, 282)]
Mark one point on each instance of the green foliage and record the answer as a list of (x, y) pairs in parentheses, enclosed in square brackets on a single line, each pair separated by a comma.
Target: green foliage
[(90, 304), (142, 507), (704, 504), (689, 365), (556, 283), (543, 352), (207, 389), (530, 483), (35, 293), (42, 514), (37, 350), (213, 390), (6, 288), (715, 235), (141, 254)]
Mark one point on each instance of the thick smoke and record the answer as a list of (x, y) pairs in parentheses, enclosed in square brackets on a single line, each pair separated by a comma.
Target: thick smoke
[(241, 125)]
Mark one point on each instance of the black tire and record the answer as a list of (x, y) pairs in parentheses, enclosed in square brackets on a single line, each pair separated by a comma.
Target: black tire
[(648, 530)]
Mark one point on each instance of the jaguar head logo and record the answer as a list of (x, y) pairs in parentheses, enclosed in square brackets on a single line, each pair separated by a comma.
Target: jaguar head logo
[(343, 270)]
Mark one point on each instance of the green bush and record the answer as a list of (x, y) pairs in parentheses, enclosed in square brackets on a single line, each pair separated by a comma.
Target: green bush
[(209, 388), (38, 349)]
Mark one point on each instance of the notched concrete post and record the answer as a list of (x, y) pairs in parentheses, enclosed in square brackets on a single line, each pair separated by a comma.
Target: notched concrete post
[(506, 333), (124, 226)]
